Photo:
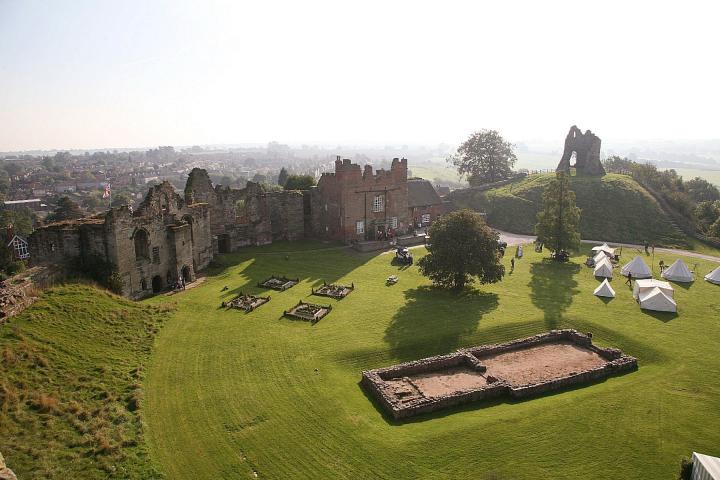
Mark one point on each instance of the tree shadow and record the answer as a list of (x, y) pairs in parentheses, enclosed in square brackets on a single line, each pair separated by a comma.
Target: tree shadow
[(433, 321), (553, 288)]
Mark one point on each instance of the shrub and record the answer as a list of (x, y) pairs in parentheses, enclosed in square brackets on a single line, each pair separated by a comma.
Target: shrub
[(14, 268), (686, 467)]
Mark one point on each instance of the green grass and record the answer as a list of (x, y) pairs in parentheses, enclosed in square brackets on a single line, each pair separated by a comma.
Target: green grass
[(712, 176), (229, 394), (614, 208), (71, 368)]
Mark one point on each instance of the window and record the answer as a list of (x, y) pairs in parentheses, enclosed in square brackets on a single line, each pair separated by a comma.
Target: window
[(21, 249), (141, 245), (143, 284), (394, 222), (360, 227), (156, 255), (426, 218), (379, 203)]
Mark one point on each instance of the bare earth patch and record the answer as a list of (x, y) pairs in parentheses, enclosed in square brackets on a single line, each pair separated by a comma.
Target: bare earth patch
[(444, 382), (541, 363)]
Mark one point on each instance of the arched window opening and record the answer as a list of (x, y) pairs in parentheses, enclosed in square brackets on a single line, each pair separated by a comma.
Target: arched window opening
[(142, 245)]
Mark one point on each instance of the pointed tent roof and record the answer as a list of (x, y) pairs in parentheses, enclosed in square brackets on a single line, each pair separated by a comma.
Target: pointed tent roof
[(714, 276), (678, 272), (643, 286), (600, 256), (637, 267), (604, 290), (603, 268), (604, 248), (655, 299)]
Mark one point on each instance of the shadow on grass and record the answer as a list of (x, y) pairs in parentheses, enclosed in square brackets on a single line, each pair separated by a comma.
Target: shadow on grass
[(478, 405), (553, 288), (433, 320), (662, 316)]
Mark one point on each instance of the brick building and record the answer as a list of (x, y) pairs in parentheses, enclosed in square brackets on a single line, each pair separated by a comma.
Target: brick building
[(424, 203), (357, 204)]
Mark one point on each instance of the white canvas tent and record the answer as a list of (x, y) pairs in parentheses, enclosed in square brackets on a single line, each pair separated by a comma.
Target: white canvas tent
[(637, 268), (678, 272), (599, 257), (705, 467), (656, 299), (604, 290), (604, 248), (603, 268), (643, 286), (714, 276)]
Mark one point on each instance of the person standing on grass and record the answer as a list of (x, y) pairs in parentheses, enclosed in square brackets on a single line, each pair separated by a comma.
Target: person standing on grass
[(629, 279)]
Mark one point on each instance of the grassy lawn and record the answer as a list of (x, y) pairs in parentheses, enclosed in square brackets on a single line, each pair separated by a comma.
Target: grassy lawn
[(71, 371), (234, 395)]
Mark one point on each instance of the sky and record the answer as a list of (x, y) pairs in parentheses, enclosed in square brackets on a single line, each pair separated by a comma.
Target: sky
[(95, 74)]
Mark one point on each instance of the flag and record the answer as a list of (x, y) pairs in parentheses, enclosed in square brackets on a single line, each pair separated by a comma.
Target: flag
[(106, 193)]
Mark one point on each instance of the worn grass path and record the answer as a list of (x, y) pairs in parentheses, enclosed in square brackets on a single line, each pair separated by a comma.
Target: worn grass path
[(230, 395)]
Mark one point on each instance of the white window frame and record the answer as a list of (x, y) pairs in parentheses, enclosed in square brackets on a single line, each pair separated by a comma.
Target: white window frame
[(394, 222), (425, 218), (21, 249), (360, 227), (378, 203)]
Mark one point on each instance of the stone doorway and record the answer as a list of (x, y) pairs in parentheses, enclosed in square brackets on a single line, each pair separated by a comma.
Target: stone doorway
[(224, 243), (157, 284), (186, 275)]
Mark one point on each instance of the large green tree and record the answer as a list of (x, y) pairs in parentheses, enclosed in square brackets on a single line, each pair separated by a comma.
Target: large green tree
[(462, 248), (485, 157), (558, 222), (299, 182), (66, 210)]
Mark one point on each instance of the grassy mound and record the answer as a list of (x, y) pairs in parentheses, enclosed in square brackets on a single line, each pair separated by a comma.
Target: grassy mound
[(614, 208), (71, 368), (235, 395)]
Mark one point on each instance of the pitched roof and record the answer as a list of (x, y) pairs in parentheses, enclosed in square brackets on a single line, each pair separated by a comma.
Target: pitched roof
[(422, 193)]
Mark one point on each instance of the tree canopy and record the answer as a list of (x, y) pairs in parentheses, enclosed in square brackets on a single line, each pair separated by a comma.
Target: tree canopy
[(558, 222), (299, 182), (462, 249), (66, 210), (485, 157)]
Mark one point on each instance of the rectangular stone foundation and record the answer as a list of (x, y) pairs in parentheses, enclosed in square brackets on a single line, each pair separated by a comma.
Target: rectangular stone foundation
[(279, 283), (310, 312), (556, 360), (338, 292)]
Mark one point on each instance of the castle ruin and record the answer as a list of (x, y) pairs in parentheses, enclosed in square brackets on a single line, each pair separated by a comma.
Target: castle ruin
[(585, 147)]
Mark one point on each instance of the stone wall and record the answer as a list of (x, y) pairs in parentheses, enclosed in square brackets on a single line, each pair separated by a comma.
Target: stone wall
[(374, 381)]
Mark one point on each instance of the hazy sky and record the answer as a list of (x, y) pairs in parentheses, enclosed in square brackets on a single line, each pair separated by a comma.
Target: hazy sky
[(83, 74)]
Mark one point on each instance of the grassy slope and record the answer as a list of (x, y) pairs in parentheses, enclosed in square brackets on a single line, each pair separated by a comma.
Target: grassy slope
[(230, 393), (70, 377), (614, 208)]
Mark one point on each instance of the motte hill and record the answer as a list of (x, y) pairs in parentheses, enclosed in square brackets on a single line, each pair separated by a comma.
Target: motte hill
[(614, 207)]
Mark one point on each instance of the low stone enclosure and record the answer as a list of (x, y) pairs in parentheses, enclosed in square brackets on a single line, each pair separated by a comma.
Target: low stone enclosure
[(245, 302), (338, 292), (547, 362), (308, 311), (279, 283)]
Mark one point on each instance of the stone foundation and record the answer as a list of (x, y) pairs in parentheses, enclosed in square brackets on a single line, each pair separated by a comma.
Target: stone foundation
[(310, 312), (467, 375), (246, 302), (338, 292), (279, 283)]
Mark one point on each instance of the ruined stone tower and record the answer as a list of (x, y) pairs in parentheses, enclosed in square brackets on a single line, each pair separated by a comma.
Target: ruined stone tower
[(586, 147)]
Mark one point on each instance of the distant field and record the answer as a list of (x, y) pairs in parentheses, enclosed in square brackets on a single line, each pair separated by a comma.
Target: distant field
[(235, 395), (712, 176)]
